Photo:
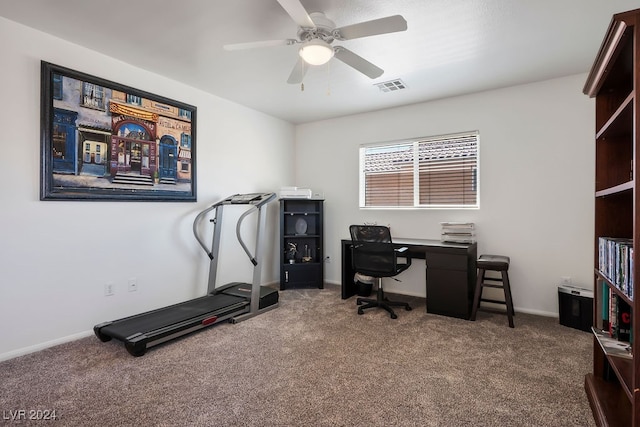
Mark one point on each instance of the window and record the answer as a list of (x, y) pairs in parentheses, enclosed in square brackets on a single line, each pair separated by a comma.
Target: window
[(57, 86), (185, 140), (87, 152), (59, 141), (93, 96), (184, 113), (133, 99), (432, 172)]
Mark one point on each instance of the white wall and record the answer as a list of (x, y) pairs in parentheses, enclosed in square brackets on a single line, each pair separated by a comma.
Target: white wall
[(56, 256), (536, 182)]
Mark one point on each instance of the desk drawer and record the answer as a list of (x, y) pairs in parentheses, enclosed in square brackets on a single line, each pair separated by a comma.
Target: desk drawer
[(449, 293), (447, 261)]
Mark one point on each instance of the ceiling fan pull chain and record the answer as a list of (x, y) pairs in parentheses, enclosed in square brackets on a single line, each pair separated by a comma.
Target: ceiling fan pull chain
[(329, 78)]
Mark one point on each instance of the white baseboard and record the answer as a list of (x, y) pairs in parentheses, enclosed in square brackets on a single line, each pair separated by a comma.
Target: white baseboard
[(42, 346), (536, 312), (516, 309)]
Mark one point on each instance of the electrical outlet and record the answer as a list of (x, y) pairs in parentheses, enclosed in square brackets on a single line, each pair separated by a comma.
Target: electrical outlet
[(109, 289), (133, 284)]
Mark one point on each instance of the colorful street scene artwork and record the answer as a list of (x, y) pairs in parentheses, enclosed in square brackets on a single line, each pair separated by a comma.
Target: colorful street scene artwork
[(104, 140)]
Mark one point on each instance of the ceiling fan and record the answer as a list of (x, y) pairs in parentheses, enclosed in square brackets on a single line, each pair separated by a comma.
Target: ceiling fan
[(316, 33)]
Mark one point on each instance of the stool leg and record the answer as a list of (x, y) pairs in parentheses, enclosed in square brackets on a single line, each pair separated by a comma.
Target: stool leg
[(507, 297), (477, 294)]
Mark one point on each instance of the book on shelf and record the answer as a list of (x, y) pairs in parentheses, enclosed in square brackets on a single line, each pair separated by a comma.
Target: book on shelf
[(612, 346), (623, 321), (606, 293), (615, 262), (616, 315)]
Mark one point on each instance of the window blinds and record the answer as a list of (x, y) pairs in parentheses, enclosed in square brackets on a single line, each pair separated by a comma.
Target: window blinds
[(428, 172)]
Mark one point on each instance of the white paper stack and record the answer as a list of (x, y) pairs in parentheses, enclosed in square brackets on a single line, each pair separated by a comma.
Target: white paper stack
[(458, 232), (295, 193)]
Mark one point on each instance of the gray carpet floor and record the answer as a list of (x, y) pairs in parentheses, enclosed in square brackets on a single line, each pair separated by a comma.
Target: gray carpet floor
[(314, 361)]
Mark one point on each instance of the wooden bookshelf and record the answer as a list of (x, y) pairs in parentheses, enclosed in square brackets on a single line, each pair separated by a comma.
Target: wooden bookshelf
[(613, 388)]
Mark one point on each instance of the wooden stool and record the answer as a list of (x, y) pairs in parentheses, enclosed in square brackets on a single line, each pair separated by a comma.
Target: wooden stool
[(493, 263)]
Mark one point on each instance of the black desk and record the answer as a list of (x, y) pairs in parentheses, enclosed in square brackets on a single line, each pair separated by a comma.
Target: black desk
[(450, 273)]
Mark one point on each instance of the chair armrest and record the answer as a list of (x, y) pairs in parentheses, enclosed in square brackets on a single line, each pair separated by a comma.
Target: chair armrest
[(400, 253)]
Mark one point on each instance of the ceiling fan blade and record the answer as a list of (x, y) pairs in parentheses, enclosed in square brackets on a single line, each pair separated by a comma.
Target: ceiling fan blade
[(297, 12), (390, 24), (357, 62), (253, 45), (298, 72)]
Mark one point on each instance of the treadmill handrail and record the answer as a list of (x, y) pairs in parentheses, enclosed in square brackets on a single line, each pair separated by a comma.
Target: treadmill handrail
[(258, 200), (196, 222), (239, 236)]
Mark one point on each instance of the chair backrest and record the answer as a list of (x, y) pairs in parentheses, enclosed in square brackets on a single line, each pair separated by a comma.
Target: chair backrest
[(373, 253)]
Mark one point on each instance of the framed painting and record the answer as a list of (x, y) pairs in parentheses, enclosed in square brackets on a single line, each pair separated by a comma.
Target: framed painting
[(102, 140)]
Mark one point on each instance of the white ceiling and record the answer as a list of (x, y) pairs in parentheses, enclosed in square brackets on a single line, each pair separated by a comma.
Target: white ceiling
[(451, 47)]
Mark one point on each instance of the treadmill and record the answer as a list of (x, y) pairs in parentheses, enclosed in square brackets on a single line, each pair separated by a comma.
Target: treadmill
[(233, 302)]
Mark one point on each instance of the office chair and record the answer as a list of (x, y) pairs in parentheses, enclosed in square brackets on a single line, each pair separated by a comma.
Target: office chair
[(373, 254)]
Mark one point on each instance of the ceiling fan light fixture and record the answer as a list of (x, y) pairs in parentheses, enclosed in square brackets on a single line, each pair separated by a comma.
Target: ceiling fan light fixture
[(316, 52)]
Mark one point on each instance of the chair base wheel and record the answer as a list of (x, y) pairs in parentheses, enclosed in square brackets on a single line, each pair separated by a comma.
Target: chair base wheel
[(380, 301)]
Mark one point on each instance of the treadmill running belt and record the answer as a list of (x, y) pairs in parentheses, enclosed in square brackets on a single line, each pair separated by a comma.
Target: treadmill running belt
[(168, 316)]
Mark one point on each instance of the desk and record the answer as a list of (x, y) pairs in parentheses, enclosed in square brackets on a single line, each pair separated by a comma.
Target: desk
[(450, 273)]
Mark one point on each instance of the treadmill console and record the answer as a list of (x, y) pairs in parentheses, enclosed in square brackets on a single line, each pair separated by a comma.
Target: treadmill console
[(249, 198), (245, 198)]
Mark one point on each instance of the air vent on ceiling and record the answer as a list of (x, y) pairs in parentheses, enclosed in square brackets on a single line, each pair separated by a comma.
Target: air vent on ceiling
[(391, 85)]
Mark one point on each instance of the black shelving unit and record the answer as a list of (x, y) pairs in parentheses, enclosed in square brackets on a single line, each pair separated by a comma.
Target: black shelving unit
[(301, 243)]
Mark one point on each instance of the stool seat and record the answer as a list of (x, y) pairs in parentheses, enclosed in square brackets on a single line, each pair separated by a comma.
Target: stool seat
[(493, 263)]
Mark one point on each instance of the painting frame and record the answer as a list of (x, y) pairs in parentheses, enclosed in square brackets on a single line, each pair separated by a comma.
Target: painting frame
[(102, 140)]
